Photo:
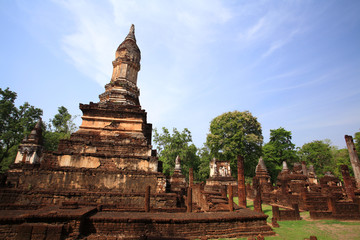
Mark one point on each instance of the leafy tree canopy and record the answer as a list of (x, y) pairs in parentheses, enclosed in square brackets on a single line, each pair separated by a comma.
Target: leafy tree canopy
[(319, 154), (59, 127), (15, 124), (169, 146), (204, 168), (278, 149), (340, 157), (236, 133), (63, 121)]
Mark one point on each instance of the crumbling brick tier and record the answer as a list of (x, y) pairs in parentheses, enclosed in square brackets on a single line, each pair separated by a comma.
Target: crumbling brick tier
[(68, 179), (88, 223), (30, 199), (185, 225), (111, 136)]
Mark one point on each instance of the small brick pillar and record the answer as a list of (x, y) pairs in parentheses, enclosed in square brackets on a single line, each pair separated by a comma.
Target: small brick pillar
[(304, 194), (241, 182), (295, 206), (257, 200), (276, 212), (331, 204), (189, 200), (191, 177), (231, 198), (284, 188), (274, 222), (147, 199), (354, 159), (347, 181)]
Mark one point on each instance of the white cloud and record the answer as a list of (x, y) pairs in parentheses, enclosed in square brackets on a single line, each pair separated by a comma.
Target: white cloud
[(279, 43), (221, 54), (254, 31), (91, 47), (172, 34), (180, 28)]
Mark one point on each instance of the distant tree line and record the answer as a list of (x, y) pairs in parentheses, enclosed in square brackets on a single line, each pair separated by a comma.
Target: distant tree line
[(231, 134), (239, 133)]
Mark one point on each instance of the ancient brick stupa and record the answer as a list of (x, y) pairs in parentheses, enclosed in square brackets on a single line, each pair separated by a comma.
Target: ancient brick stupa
[(105, 182), (114, 133), (113, 142)]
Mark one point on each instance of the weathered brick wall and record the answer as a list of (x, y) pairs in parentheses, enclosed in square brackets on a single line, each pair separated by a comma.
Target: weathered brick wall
[(189, 228), (6, 232), (89, 179), (28, 231), (316, 201), (199, 198), (340, 210), (111, 200), (286, 214), (346, 210)]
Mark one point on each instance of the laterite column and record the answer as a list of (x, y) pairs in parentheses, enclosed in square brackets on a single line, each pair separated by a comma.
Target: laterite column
[(189, 200), (257, 200), (191, 177), (241, 182), (354, 159)]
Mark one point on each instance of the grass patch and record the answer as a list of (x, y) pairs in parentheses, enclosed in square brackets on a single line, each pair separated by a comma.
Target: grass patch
[(322, 229)]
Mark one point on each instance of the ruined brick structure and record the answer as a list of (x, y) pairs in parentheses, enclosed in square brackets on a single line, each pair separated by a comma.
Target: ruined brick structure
[(105, 181), (114, 138), (30, 149), (262, 178), (220, 175), (326, 198), (177, 180)]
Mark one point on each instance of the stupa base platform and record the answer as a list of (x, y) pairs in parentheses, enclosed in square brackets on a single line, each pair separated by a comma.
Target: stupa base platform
[(53, 222)]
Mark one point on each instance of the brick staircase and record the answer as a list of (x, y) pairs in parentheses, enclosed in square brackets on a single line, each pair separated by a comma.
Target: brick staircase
[(216, 201)]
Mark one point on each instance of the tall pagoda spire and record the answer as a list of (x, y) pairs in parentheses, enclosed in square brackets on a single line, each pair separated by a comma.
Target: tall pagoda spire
[(123, 88), (131, 34), (261, 166), (114, 133)]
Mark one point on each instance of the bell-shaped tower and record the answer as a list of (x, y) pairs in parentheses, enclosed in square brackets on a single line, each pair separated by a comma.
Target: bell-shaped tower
[(122, 87), (114, 133)]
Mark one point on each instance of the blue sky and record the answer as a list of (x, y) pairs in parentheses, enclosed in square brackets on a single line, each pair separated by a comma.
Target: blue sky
[(292, 64)]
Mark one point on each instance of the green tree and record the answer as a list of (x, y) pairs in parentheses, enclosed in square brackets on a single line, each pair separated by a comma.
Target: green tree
[(15, 124), (236, 133), (204, 168), (278, 149), (319, 154), (169, 146), (63, 121), (340, 157), (59, 127)]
